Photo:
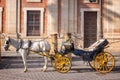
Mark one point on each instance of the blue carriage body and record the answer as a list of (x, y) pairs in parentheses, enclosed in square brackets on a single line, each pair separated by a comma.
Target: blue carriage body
[(91, 51)]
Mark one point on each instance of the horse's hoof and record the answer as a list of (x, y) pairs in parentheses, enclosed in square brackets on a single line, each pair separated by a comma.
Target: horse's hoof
[(25, 70), (43, 70)]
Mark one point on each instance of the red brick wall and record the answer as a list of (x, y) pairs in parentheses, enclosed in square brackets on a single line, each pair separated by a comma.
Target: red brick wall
[(42, 4)]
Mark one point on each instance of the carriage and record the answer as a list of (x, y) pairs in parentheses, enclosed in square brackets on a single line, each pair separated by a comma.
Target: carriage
[(95, 55)]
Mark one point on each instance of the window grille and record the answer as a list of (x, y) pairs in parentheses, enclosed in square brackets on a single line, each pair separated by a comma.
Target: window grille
[(33, 23)]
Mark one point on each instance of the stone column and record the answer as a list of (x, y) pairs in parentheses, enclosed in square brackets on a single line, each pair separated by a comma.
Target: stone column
[(52, 16), (71, 16), (72, 22), (75, 16), (11, 16), (64, 16), (19, 16)]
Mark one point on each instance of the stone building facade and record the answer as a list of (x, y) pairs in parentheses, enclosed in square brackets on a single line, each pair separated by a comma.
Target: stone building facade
[(35, 18)]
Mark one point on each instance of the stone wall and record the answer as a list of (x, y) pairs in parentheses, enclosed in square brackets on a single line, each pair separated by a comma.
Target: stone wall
[(11, 16), (111, 23)]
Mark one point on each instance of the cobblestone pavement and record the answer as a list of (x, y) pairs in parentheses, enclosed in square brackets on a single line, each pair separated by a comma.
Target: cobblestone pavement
[(11, 68)]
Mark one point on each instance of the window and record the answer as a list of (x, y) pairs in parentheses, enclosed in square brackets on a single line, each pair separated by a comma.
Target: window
[(90, 1), (34, 0), (33, 23)]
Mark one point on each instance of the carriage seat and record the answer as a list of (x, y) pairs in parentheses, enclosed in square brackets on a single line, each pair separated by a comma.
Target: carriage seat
[(97, 45)]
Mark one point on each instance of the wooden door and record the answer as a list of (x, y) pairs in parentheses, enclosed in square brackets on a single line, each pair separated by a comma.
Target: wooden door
[(90, 28)]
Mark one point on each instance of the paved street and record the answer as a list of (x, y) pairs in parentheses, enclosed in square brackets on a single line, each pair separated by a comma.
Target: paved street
[(11, 68)]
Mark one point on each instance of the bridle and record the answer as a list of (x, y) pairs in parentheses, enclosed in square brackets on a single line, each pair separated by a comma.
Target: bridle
[(7, 44)]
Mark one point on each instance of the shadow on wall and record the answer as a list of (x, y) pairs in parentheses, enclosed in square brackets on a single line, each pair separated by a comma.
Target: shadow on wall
[(109, 13)]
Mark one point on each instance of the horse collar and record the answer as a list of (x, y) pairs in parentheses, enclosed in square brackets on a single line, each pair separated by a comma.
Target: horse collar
[(20, 45)]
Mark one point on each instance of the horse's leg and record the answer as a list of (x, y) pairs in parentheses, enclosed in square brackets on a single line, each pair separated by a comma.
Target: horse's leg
[(24, 56), (46, 63)]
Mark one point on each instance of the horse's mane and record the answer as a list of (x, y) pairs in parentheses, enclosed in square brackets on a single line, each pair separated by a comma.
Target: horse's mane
[(14, 42)]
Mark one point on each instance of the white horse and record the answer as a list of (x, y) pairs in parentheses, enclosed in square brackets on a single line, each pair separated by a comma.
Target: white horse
[(24, 47)]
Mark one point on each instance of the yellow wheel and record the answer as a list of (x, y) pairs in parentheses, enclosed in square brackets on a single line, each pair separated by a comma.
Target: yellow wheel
[(63, 64), (54, 58), (104, 62)]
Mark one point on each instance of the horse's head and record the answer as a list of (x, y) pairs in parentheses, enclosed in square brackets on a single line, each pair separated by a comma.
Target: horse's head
[(7, 43), (10, 41)]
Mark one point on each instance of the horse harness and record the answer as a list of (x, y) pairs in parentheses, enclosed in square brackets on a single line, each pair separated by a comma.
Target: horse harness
[(20, 46)]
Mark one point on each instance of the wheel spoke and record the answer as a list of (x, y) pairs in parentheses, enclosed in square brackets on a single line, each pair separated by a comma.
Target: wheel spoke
[(106, 68)]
